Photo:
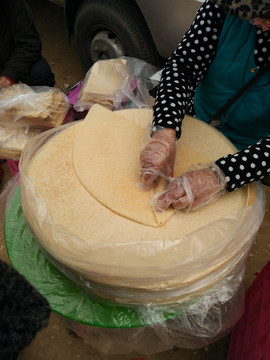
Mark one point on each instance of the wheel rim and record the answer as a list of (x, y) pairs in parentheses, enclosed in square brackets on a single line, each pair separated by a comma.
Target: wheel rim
[(105, 45)]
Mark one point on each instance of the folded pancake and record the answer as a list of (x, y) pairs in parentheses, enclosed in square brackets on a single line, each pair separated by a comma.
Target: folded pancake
[(106, 159)]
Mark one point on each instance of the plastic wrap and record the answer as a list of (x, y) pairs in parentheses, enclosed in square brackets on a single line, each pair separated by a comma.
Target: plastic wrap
[(124, 318), (135, 90), (13, 140), (197, 325), (6, 196), (15, 133), (201, 267), (117, 84), (42, 107), (116, 329)]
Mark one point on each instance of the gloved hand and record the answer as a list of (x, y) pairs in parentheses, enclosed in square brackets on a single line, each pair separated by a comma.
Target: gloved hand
[(158, 157), (193, 189)]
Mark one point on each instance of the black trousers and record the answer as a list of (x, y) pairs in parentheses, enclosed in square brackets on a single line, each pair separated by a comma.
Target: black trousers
[(39, 74)]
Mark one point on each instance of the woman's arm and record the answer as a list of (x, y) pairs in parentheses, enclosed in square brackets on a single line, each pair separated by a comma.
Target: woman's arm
[(205, 183), (182, 73), (246, 166), (186, 67)]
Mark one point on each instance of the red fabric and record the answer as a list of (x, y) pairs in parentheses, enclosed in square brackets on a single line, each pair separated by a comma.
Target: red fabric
[(9, 79), (250, 339)]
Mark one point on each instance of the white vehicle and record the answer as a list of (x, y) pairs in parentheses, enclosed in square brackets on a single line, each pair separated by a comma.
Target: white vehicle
[(146, 29)]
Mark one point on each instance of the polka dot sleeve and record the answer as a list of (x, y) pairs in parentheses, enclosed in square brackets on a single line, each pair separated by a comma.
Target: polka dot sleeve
[(186, 67), (247, 165)]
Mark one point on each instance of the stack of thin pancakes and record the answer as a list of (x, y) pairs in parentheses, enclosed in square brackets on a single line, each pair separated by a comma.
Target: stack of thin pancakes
[(21, 105), (26, 112), (81, 200)]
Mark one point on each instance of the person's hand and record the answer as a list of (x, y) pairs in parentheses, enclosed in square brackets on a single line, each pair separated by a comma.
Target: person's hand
[(193, 189), (158, 157), (5, 82)]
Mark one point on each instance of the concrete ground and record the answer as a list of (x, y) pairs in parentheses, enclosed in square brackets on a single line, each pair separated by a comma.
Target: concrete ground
[(54, 342)]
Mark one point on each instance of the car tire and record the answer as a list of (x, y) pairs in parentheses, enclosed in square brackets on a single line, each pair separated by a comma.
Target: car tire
[(107, 29)]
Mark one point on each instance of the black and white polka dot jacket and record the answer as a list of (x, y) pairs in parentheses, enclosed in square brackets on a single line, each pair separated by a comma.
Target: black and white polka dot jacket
[(182, 74)]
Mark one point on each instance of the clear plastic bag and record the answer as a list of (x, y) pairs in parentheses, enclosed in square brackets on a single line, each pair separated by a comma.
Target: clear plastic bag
[(198, 267), (135, 90), (6, 195), (25, 106), (119, 330), (118, 84), (198, 312), (198, 324), (13, 140)]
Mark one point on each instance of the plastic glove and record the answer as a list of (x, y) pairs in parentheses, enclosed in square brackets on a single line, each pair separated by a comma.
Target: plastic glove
[(158, 157), (193, 189)]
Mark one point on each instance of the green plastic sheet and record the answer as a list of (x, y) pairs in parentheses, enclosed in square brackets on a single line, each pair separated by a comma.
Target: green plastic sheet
[(64, 296)]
